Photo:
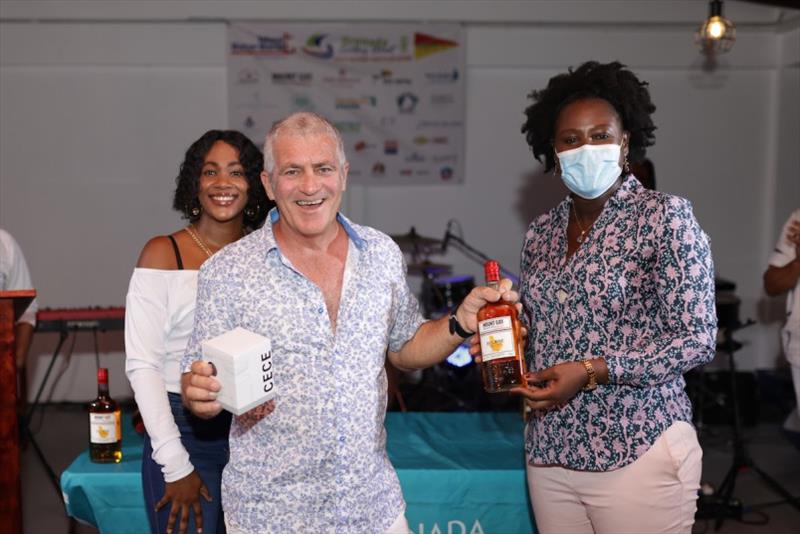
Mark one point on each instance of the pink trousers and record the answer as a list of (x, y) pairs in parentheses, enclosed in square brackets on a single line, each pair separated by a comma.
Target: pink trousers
[(655, 494)]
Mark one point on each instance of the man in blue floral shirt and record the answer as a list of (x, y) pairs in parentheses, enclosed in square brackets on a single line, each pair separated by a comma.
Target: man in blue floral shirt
[(332, 297)]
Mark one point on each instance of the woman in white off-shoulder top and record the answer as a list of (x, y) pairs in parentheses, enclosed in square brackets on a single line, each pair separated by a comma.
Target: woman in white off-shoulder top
[(219, 191)]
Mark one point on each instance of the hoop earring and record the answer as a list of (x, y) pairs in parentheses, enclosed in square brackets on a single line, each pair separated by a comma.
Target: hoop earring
[(251, 212), (195, 211)]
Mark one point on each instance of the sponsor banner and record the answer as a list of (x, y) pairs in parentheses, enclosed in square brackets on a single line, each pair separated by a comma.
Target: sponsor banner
[(395, 91)]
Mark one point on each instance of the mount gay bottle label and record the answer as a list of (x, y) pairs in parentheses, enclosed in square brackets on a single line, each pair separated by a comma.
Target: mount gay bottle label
[(105, 427), (497, 338)]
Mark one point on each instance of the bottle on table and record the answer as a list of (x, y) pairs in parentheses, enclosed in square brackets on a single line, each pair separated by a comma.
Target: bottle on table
[(105, 424), (499, 329)]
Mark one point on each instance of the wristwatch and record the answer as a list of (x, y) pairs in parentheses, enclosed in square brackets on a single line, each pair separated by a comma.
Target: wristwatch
[(591, 385), (455, 327)]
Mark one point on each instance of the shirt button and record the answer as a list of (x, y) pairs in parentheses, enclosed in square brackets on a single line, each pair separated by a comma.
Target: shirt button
[(342, 439), (320, 310)]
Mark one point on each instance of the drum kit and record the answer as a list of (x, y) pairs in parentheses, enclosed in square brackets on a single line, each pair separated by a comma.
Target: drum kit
[(441, 291), (455, 384)]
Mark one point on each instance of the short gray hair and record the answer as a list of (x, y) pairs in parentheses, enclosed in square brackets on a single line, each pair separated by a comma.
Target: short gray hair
[(301, 123)]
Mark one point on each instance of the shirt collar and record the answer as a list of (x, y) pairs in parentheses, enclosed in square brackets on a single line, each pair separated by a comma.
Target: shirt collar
[(274, 216), (627, 190)]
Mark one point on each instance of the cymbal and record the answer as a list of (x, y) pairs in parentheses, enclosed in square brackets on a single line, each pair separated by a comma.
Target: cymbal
[(413, 242), (428, 267)]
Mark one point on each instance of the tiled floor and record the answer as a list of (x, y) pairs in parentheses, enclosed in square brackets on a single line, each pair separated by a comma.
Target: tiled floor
[(60, 431)]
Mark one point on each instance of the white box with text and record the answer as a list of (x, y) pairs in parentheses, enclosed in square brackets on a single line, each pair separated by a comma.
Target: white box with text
[(243, 364)]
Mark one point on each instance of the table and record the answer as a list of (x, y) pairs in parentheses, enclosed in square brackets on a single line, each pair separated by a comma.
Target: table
[(461, 473)]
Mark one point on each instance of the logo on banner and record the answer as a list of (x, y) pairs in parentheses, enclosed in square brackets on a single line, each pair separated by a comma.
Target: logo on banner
[(361, 146), (454, 526), (390, 147), (387, 77), (264, 46), (366, 45), (415, 157), (343, 77), (318, 47), (450, 76), (378, 169), (360, 48), (446, 173), (302, 103), (426, 45), (348, 127), (292, 78), (356, 103), (248, 76), (407, 102)]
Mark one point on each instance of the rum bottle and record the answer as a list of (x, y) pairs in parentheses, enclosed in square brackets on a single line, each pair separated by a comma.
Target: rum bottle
[(499, 329), (105, 425)]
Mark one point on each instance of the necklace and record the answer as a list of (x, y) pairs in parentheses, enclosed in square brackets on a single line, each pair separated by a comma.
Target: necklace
[(579, 239), (196, 238)]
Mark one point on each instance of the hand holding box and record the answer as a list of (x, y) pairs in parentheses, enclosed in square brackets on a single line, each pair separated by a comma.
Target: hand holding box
[(243, 366)]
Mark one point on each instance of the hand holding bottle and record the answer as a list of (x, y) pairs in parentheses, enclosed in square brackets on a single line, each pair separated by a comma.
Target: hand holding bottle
[(467, 312), (470, 310), (558, 384)]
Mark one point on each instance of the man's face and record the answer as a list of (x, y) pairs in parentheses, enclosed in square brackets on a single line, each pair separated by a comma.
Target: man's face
[(306, 183)]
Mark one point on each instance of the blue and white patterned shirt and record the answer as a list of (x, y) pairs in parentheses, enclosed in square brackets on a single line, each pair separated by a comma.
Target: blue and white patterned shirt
[(318, 463)]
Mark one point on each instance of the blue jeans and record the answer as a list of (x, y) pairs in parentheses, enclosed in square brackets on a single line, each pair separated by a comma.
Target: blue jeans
[(207, 444)]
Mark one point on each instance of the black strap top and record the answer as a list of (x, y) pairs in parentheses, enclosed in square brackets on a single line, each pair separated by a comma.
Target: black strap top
[(177, 252)]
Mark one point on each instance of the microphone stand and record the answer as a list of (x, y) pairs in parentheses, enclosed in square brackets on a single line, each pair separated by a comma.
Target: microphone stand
[(475, 254), (742, 459)]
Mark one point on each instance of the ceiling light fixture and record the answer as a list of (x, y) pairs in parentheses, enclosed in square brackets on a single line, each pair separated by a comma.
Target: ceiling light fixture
[(717, 34)]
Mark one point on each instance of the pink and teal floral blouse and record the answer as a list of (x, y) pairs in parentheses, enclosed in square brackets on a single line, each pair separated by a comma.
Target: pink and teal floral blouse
[(639, 292)]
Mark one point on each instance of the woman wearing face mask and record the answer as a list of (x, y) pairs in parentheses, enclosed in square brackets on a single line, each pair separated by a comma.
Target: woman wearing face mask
[(618, 291)]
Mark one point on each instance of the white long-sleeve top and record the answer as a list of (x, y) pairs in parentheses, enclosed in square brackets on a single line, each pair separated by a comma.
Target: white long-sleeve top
[(159, 312)]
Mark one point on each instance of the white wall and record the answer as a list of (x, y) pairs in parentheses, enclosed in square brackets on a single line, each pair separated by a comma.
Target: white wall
[(96, 111)]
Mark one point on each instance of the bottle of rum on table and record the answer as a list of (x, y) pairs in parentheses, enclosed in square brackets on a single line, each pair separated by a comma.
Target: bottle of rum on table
[(499, 329), (105, 425)]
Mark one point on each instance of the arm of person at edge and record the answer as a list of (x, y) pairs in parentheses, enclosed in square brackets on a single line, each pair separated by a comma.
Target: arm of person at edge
[(433, 341), (684, 281), (182, 495), (23, 335), (779, 279)]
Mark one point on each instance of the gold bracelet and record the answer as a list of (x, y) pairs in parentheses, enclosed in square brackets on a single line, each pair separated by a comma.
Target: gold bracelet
[(591, 385)]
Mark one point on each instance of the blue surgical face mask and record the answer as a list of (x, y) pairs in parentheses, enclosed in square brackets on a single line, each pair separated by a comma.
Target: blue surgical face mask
[(590, 170)]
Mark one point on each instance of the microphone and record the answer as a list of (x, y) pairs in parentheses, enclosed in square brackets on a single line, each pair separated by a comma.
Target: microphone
[(446, 238)]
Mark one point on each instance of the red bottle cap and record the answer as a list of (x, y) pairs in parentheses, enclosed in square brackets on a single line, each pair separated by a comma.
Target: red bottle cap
[(102, 375), (492, 271)]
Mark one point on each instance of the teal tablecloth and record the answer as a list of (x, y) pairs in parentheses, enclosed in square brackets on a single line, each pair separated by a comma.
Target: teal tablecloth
[(461, 473)]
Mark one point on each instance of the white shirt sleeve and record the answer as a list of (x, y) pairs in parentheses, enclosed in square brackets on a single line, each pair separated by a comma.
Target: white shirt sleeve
[(14, 274), (146, 330), (784, 251)]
